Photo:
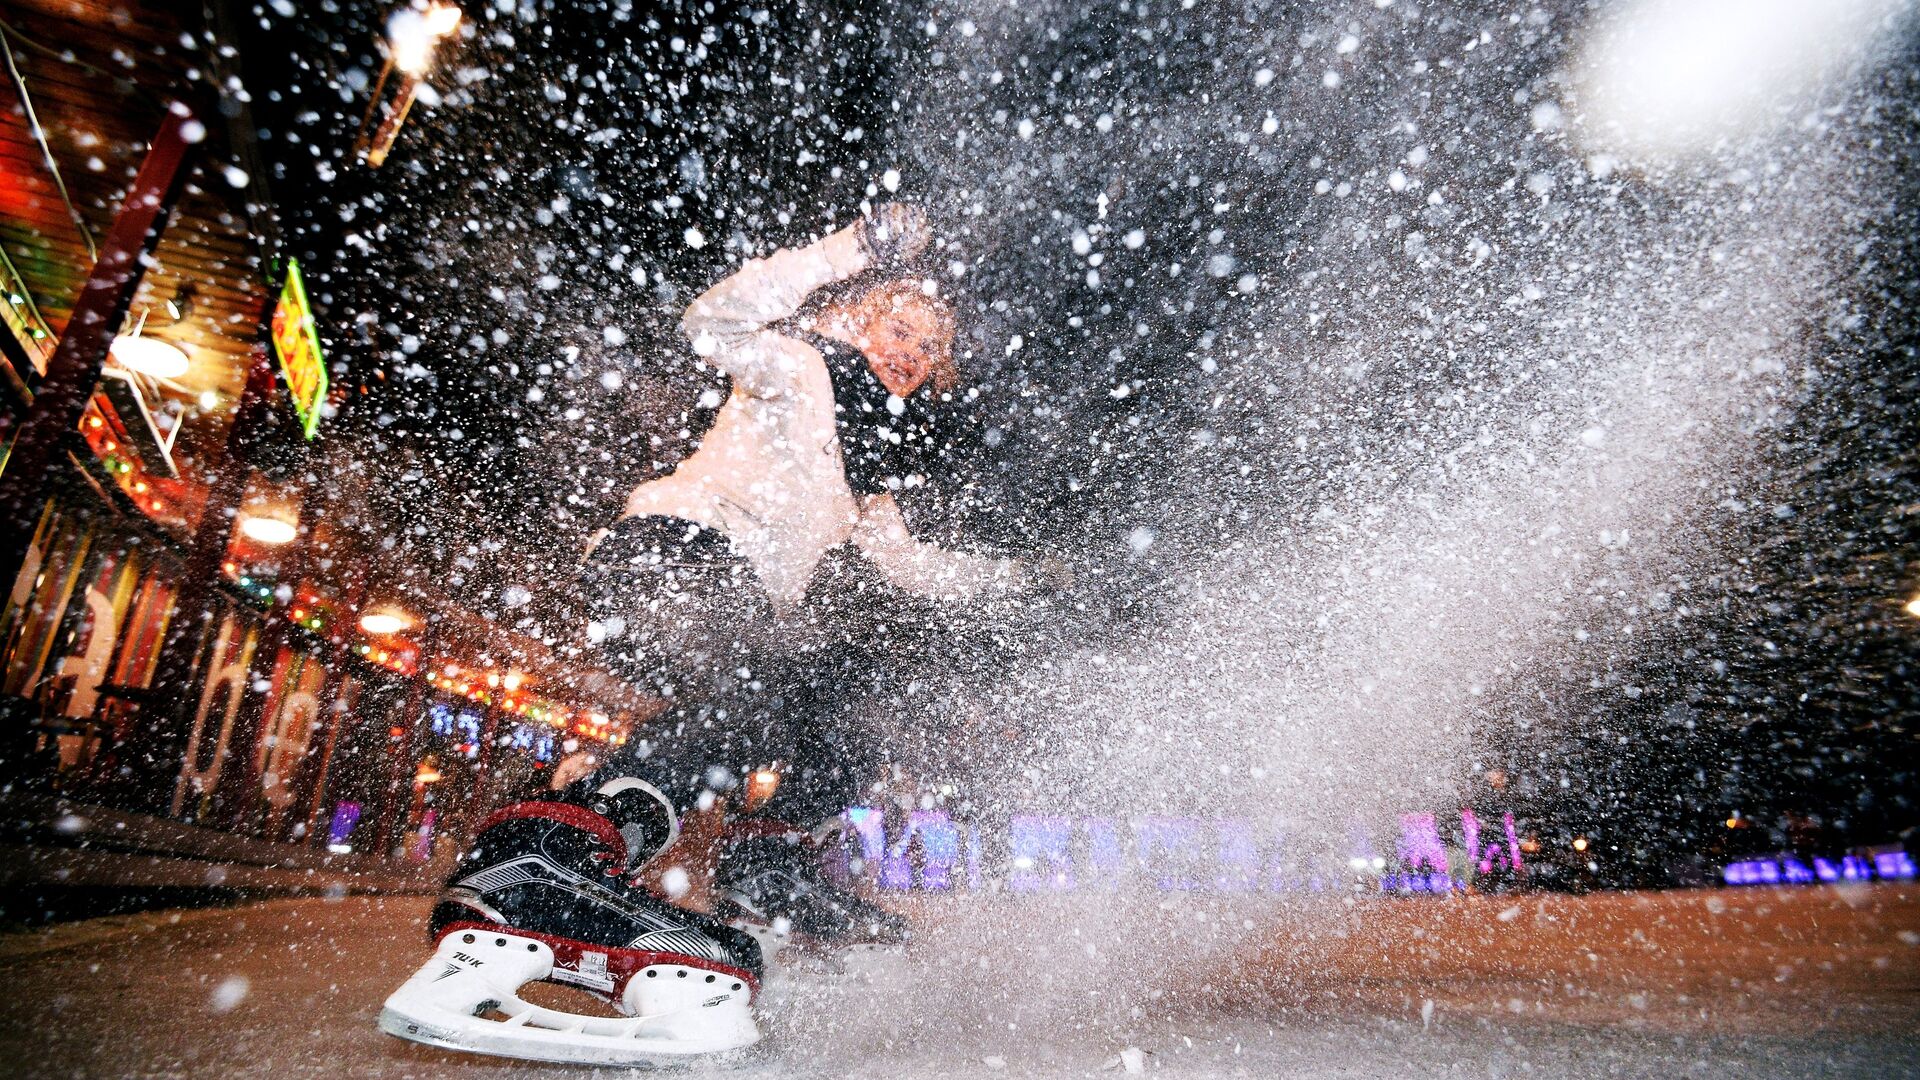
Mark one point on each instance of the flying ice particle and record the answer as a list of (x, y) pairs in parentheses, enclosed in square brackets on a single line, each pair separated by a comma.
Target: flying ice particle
[(890, 179), (1140, 539), (675, 881), (229, 994), (695, 239)]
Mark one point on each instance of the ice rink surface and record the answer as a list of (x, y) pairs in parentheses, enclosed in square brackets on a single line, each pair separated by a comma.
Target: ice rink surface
[(1814, 982)]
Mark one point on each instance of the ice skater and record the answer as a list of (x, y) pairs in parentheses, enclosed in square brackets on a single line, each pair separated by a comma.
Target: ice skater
[(702, 584), (833, 408)]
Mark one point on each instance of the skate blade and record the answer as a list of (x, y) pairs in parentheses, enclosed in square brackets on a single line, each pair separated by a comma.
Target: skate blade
[(473, 976)]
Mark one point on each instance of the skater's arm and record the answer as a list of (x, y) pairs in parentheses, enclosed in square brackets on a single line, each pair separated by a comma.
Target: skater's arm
[(727, 323), (925, 568)]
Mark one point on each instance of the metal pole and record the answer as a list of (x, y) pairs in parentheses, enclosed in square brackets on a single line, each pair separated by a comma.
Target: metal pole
[(237, 794), (309, 782), (395, 803), (155, 752)]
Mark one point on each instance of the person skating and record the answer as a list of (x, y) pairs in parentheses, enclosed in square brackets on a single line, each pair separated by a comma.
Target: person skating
[(843, 372)]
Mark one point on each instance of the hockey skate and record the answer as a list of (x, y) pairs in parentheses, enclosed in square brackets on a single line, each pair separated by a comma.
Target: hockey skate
[(772, 887), (544, 895)]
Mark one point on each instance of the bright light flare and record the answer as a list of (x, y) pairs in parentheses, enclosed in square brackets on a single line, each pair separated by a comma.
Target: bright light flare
[(382, 623), (442, 19), (412, 40), (1662, 79), (267, 530), (150, 356), (412, 34)]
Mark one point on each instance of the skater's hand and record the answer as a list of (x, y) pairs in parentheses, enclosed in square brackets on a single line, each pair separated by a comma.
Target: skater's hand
[(896, 233)]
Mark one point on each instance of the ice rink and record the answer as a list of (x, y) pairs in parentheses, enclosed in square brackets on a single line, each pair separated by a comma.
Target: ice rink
[(1812, 982)]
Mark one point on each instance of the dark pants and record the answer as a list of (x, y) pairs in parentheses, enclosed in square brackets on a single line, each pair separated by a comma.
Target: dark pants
[(677, 611), (673, 606)]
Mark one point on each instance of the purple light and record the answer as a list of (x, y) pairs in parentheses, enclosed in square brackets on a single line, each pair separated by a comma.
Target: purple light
[(1167, 844), (1239, 858), (871, 828), (1893, 865), (1420, 845), (1106, 855), (974, 880), (939, 847), (345, 816), (1042, 853), (423, 847), (1491, 855)]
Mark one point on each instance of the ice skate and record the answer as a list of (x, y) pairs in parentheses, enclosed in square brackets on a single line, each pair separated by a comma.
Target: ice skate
[(772, 887), (545, 895)]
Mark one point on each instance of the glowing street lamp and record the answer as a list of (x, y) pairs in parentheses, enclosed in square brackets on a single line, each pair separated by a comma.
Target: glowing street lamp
[(412, 34), (267, 529), (149, 356), (761, 784), (1913, 607), (384, 623)]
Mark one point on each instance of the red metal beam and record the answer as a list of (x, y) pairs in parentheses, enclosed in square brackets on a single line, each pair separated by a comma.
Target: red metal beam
[(73, 372)]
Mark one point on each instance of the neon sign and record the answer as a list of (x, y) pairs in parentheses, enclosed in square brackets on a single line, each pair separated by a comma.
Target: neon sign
[(1787, 870), (1059, 854), (298, 347)]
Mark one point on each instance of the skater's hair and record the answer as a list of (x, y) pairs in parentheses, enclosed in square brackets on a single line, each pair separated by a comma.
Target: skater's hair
[(919, 313)]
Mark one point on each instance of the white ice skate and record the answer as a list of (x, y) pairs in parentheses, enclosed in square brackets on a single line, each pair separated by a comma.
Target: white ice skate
[(466, 998)]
